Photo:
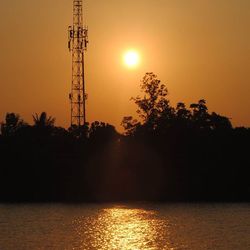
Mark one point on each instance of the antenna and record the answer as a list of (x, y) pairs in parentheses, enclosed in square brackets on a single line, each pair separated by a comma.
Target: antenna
[(77, 44)]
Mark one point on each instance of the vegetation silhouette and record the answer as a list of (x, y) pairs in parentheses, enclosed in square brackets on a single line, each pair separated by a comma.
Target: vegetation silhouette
[(166, 154)]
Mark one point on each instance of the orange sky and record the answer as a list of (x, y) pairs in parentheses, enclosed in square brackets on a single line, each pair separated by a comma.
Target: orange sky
[(199, 48)]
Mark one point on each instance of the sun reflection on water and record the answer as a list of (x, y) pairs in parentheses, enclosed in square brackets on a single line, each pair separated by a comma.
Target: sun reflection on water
[(123, 228)]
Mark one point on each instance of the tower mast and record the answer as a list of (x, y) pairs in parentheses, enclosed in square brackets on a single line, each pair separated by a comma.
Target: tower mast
[(77, 44)]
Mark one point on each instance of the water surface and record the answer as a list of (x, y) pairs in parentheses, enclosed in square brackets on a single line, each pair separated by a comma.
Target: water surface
[(125, 226)]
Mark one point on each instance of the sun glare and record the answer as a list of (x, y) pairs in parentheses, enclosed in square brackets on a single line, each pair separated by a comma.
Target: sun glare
[(131, 58)]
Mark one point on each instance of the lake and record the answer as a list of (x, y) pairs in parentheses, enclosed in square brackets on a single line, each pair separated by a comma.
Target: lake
[(125, 226)]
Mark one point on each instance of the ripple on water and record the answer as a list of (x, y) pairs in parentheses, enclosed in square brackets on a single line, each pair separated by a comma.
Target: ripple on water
[(123, 228)]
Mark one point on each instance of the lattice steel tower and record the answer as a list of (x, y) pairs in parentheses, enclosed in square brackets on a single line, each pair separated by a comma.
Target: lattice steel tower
[(78, 41)]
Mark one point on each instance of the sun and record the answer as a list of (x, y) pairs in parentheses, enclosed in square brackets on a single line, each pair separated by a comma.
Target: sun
[(131, 58)]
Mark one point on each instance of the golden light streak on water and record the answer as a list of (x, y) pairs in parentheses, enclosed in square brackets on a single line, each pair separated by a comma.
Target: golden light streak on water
[(125, 229), (131, 226)]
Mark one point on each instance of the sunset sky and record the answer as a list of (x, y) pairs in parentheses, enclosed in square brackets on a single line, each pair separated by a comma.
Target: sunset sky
[(199, 48)]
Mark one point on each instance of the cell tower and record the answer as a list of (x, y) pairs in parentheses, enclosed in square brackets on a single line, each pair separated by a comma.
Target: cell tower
[(78, 41)]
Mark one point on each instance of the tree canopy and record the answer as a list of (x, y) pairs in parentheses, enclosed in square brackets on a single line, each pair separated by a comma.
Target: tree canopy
[(156, 115)]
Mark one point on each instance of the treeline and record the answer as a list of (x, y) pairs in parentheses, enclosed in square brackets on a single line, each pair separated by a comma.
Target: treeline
[(169, 154)]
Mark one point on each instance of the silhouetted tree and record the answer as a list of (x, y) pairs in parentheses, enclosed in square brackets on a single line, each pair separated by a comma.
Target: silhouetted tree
[(101, 131), (81, 132), (43, 120), (12, 124), (153, 108), (169, 153), (182, 113), (200, 115), (219, 122), (154, 101), (130, 124), (43, 125)]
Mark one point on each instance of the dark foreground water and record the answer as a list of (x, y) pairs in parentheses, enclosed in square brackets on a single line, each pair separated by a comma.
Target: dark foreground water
[(125, 226)]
